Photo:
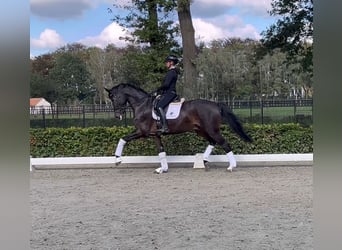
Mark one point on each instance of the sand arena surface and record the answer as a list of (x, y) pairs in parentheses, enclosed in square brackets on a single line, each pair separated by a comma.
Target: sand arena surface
[(132, 208)]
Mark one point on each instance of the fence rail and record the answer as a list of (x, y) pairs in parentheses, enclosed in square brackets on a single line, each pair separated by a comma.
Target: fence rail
[(264, 111)]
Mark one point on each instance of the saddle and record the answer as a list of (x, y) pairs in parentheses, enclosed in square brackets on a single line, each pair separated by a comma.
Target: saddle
[(172, 110)]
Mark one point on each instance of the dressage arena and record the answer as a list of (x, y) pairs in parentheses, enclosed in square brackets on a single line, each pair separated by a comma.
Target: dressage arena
[(186, 208)]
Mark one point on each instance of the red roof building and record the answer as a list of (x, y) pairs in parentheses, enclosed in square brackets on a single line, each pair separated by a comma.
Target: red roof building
[(37, 105)]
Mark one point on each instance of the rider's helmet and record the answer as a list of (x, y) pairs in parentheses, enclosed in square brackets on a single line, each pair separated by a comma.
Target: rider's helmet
[(172, 58)]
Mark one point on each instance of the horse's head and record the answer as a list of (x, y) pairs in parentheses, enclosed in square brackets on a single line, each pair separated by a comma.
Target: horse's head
[(119, 100)]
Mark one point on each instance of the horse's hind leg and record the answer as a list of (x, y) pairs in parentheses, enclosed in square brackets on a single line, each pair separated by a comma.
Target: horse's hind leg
[(209, 148), (219, 139), (206, 155)]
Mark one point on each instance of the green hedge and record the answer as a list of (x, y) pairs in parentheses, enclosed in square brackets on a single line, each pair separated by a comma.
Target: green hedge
[(77, 122), (101, 141)]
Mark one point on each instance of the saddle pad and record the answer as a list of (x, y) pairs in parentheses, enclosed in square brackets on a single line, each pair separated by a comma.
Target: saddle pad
[(172, 112)]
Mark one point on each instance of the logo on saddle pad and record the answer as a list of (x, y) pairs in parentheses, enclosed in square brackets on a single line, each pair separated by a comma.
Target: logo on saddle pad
[(173, 110)]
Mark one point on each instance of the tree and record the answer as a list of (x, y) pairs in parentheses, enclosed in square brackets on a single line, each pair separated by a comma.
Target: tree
[(271, 71), (153, 25), (96, 65), (71, 79), (113, 56), (226, 69), (189, 47), (40, 84), (42, 64), (73, 48), (153, 29), (293, 32), (150, 23)]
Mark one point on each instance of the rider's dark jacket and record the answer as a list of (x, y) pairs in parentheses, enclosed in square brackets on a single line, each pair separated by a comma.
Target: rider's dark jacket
[(168, 88), (169, 83)]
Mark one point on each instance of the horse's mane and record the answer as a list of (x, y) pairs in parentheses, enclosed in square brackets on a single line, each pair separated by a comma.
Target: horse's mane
[(134, 87)]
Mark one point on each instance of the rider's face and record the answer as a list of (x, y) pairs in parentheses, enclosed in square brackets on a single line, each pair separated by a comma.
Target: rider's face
[(168, 64)]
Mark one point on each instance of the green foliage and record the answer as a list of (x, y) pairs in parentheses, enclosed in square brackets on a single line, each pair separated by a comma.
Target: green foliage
[(226, 69), (62, 76), (229, 69), (71, 77), (77, 122), (151, 23), (101, 141), (143, 68), (40, 82), (152, 27), (42, 86), (293, 31)]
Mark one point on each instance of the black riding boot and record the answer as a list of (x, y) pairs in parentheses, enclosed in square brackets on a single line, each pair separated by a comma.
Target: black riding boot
[(164, 128)]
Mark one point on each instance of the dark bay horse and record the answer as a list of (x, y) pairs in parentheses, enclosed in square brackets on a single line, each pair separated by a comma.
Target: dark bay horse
[(201, 116)]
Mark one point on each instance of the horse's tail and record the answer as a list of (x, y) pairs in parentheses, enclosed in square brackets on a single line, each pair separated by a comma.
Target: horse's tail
[(229, 118)]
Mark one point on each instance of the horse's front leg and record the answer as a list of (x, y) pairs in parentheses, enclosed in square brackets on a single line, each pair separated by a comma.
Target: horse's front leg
[(121, 144), (162, 157)]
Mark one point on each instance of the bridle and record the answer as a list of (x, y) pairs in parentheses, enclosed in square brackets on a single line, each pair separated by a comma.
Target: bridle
[(119, 108)]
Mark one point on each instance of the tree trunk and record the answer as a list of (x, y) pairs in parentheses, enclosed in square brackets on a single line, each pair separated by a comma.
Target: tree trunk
[(153, 23), (189, 49)]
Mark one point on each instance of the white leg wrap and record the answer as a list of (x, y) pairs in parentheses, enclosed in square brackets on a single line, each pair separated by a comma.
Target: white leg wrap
[(207, 152), (118, 151), (163, 162), (232, 161), (120, 147)]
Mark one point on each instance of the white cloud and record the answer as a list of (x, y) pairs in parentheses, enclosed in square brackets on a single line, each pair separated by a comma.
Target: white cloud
[(219, 19), (232, 26), (68, 9), (247, 31), (212, 19), (231, 21), (259, 7), (215, 8), (60, 9), (48, 39), (110, 35), (238, 28), (206, 32)]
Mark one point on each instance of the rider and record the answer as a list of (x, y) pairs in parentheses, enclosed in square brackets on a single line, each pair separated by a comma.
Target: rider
[(167, 90)]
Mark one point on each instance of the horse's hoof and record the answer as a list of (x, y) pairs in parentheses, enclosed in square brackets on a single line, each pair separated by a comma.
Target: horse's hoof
[(230, 168), (118, 161), (159, 171), (206, 165)]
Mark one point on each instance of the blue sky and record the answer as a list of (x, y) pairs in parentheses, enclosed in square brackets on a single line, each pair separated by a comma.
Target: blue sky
[(54, 23)]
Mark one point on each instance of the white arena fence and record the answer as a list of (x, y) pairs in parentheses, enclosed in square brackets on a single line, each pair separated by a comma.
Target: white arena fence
[(195, 161)]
